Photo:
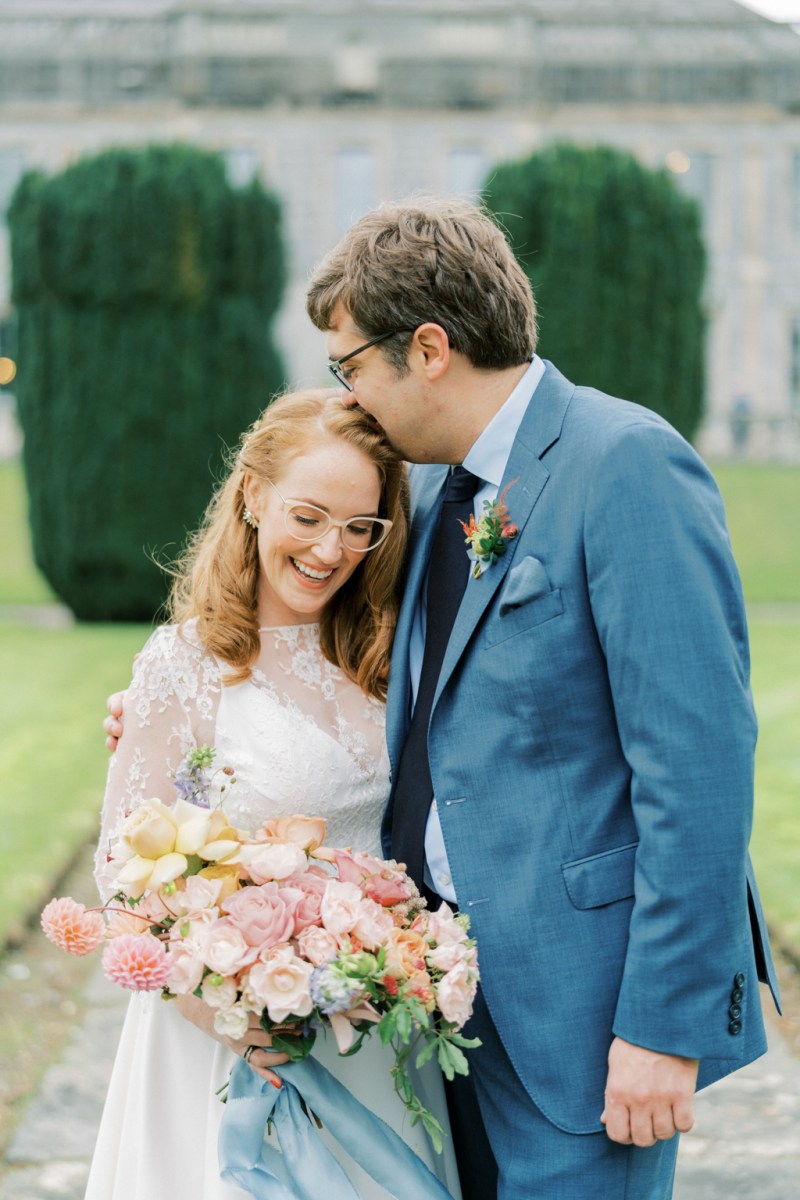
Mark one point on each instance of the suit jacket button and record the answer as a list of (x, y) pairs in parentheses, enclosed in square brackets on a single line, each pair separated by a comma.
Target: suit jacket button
[(734, 1012), (735, 1027), (738, 979), (736, 995)]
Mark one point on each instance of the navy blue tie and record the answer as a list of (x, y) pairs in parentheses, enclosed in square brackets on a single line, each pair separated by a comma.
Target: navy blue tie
[(447, 578)]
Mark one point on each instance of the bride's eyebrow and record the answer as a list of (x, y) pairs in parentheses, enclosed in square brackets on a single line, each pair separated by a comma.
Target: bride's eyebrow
[(324, 508)]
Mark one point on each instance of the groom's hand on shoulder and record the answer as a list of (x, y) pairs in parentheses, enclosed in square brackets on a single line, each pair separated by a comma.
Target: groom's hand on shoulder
[(649, 1096)]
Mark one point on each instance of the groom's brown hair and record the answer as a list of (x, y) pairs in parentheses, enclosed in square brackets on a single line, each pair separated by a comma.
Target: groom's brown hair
[(442, 260)]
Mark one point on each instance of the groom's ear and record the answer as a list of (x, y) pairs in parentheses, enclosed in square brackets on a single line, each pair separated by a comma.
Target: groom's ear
[(432, 347)]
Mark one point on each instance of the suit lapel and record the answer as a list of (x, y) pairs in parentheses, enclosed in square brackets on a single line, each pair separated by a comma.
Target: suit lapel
[(540, 428)]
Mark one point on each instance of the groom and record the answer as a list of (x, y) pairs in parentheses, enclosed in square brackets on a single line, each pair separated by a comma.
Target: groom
[(570, 723)]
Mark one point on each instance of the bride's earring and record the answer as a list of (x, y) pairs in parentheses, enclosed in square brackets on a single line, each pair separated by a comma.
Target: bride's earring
[(250, 519)]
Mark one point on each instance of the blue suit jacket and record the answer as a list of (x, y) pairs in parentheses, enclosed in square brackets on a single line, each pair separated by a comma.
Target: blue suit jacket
[(591, 749)]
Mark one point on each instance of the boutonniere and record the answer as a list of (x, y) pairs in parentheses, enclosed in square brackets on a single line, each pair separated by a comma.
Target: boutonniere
[(487, 537)]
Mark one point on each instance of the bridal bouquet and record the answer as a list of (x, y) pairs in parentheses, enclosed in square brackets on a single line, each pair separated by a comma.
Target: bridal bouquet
[(306, 936)]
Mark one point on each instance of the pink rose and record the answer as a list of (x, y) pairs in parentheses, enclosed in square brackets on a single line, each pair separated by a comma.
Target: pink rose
[(186, 969), (270, 861), (308, 911), (264, 915), (382, 883), (224, 950), (282, 985), (373, 925), (341, 906), (455, 994), (445, 957), (443, 928), (317, 945)]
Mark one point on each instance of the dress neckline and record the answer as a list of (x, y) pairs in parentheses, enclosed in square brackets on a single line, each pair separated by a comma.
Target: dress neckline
[(281, 628)]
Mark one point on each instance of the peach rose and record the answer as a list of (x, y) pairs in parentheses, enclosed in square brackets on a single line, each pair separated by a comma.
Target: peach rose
[(445, 957), (306, 832), (272, 860), (443, 928), (264, 915), (405, 952)]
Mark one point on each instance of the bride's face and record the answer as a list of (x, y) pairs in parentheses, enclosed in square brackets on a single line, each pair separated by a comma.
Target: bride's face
[(298, 578)]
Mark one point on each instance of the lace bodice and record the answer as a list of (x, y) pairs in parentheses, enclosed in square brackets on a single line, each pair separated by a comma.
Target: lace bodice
[(301, 737)]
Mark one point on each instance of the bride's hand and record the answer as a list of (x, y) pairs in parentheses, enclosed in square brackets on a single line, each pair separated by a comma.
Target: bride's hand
[(260, 1060)]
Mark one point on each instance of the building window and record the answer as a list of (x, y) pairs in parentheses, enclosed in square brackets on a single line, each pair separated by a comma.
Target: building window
[(356, 191), (467, 167)]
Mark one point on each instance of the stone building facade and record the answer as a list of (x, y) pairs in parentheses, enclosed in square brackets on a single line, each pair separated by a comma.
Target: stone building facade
[(338, 104)]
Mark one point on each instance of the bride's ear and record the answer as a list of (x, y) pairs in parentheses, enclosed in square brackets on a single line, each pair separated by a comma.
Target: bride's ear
[(253, 494)]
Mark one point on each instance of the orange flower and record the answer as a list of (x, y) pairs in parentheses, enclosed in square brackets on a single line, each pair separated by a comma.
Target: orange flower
[(70, 927)]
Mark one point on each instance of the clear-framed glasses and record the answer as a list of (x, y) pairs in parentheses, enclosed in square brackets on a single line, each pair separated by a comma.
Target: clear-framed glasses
[(336, 364), (307, 523)]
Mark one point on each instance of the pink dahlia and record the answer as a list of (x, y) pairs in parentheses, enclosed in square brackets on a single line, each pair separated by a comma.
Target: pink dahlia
[(70, 927), (137, 961)]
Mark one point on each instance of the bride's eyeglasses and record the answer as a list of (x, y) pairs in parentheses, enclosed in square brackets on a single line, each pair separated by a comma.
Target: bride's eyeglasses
[(307, 523)]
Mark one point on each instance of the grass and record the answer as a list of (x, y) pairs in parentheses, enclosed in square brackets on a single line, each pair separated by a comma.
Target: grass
[(52, 760), (20, 581), (776, 830), (762, 502)]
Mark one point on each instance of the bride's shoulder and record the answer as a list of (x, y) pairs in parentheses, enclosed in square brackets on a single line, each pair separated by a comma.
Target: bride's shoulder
[(176, 652)]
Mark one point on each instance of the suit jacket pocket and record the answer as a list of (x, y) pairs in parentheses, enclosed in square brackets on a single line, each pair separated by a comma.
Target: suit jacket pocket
[(525, 616), (601, 878)]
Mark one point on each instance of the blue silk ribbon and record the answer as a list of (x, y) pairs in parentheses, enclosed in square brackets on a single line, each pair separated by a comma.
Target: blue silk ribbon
[(304, 1168)]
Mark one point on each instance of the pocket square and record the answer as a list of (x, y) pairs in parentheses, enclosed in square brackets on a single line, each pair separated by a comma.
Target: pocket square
[(526, 580)]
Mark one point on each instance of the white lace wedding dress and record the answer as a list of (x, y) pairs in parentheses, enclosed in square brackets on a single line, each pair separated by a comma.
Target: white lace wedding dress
[(302, 739)]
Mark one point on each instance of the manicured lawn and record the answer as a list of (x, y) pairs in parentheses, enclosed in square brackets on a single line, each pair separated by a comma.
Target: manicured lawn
[(20, 582), (776, 830), (52, 759), (763, 503)]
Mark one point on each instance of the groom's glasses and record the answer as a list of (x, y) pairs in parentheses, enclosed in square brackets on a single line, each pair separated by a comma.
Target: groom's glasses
[(336, 364), (307, 523)]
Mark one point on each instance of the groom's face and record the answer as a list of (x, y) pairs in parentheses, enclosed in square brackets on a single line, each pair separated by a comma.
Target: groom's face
[(399, 403)]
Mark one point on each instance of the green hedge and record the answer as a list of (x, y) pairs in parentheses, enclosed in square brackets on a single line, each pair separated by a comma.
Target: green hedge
[(145, 288), (616, 259)]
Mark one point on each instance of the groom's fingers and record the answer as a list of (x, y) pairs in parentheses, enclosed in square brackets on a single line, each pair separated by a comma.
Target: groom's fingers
[(617, 1120)]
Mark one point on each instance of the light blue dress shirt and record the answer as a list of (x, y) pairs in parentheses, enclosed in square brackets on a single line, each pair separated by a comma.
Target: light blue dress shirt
[(487, 458)]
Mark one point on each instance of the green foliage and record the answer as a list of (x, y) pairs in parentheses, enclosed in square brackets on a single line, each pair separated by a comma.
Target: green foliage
[(145, 287), (616, 260)]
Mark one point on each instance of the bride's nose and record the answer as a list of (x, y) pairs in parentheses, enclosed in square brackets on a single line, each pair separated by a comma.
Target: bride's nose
[(329, 548)]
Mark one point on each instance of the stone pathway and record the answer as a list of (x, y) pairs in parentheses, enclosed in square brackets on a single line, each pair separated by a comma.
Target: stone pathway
[(746, 1143)]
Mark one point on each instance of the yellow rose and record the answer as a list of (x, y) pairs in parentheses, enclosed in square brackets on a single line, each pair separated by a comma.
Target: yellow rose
[(229, 876), (150, 830)]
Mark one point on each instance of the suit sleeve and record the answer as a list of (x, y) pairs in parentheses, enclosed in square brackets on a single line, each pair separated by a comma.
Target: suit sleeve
[(669, 612)]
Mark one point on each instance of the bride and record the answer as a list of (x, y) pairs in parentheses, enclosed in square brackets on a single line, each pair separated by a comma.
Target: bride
[(284, 610)]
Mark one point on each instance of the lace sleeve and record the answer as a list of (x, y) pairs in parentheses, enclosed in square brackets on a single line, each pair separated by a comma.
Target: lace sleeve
[(169, 707)]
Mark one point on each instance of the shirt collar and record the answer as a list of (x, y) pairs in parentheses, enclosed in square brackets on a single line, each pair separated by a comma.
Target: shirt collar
[(489, 454)]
